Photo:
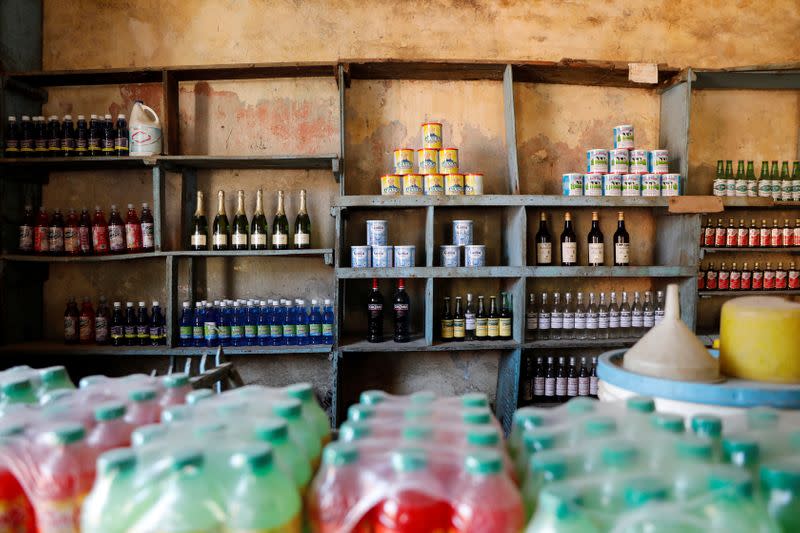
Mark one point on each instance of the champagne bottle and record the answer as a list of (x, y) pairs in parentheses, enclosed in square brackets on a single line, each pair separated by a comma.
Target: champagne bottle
[(241, 228), (222, 230), (258, 226), (280, 227), (302, 226)]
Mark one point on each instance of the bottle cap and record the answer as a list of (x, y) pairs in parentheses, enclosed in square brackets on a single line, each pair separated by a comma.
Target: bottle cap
[(740, 450), (113, 207), (109, 411), (642, 404), (66, 117), (80, 117), (236, 303), (18, 388), (551, 465), (155, 303), (409, 460), (130, 206), (187, 458), (287, 409), (121, 116), (178, 379), (642, 490), (117, 304), (536, 442), (668, 422), (600, 425), (314, 302), (65, 434), (476, 415), (484, 462), (274, 431), (141, 304), (54, 374), (483, 436), (340, 454), (781, 475), (354, 430), (93, 116), (53, 117), (360, 412), (145, 205), (142, 395), (300, 391), (707, 425), (119, 460), (327, 302), (691, 447), (185, 304), (107, 116)]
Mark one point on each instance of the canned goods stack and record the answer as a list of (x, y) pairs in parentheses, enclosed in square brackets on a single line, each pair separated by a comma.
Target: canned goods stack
[(437, 170), (623, 171), (378, 253), (463, 252)]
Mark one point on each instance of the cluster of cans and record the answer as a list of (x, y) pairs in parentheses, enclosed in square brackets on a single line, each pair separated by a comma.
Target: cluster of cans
[(623, 171), (377, 253), (437, 173), (463, 252)]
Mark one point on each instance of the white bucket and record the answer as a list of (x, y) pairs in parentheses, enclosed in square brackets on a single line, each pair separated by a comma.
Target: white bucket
[(145, 131)]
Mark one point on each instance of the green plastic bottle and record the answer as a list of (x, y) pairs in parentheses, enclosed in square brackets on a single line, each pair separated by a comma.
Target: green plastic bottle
[(288, 456), (104, 509), (524, 419), (559, 511), (351, 430), (18, 390), (667, 422), (312, 411), (482, 437), (533, 442), (743, 451), (262, 497), (299, 430), (54, 378), (762, 418), (781, 489), (475, 399), (580, 406), (545, 467), (418, 433), (196, 396), (732, 508)]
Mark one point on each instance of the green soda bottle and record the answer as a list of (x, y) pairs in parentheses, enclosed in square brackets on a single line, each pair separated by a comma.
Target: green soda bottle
[(18, 390), (312, 412), (107, 508), (533, 442), (372, 397), (299, 430), (262, 497), (559, 511), (482, 437), (544, 468), (287, 455), (781, 490), (54, 378), (418, 433), (360, 412), (599, 426)]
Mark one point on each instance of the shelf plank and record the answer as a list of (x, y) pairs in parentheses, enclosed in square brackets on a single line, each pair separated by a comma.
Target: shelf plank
[(581, 343), (44, 348), (749, 78), (429, 272), (75, 163), (423, 70), (326, 253), (514, 272), (417, 344), (175, 163), (779, 250), (611, 271), (756, 203), (734, 294), (25, 258), (501, 200), (579, 72)]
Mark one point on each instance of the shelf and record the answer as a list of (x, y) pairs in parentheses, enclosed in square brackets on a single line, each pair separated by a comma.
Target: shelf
[(779, 250), (748, 78), (756, 203), (43, 348), (326, 253), (417, 344), (500, 200), (469, 346), (581, 343), (733, 294), (575, 72), (178, 163), (24, 258), (610, 272), (429, 272), (76, 163)]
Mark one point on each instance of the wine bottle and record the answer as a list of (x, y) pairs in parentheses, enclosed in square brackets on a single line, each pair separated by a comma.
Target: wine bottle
[(481, 321), (241, 228), (221, 230), (402, 309), (198, 239), (569, 243), (506, 317), (459, 322), (493, 323), (280, 227), (622, 243), (375, 314), (595, 241), (469, 320), (302, 225), (544, 243), (447, 321), (258, 226)]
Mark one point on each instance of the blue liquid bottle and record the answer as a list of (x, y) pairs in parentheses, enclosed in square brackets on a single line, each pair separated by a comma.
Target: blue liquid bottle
[(301, 324), (276, 326), (210, 326), (224, 324), (263, 328), (157, 330), (315, 324), (327, 323), (237, 325), (289, 331), (185, 338), (251, 324), (198, 323)]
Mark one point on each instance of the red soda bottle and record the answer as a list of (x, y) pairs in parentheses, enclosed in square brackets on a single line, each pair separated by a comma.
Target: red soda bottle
[(133, 231), (86, 322), (71, 323), (116, 232), (85, 233), (747, 278), (781, 281), (56, 233), (26, 231), (148, 229), (41, 233), (758, 278), (111, 431), (177, 387), (144, 408), (336, 490), (16, 511), (71, 237), (711, 277), (99, 232)]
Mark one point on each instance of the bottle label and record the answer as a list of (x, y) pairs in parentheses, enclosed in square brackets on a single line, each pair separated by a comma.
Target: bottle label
[(239, 239), (237, 332), (745, 281), (624, 319), (544, 253), (556, 320), (580, 320), (469, 321), (741, 237), (56, 238), (481, 327), (549, 386), (199, 240), (210, 330), (301, 239), (447, 329), (568, 320), (130, 332), (133, 236), (100, 239), (121, 143), (250, 332), (505, 327), (592, 320), (658, 315), (719, 237), (26, 238), (794, 280), (613, 319), (288, 330), (301, 330), (622, 253), (493, 327), (186, 332), (583, 386), (796, 239), (116, 238), (100, 329), (602, 320), (544, 321), (41, 239), (595, 253), (572, 386), (314, 329), (637, 319), (758, 280), (71, 240), (274, 331), (148, 232), (117, 332), (561, 386), (708, 237), (649, 319), (197, 332), (263, 330), (258, 239), (280, 239), (538, 385), (223, 332), (775, 237), (723, 280), (736, 280), (763, 237), (327, 330), (752, 238), (142, 332), (780, 279), (593, 386), (569, 252), (85, 325), (730, 237), (459, 327), (156, 333), (220, 239)]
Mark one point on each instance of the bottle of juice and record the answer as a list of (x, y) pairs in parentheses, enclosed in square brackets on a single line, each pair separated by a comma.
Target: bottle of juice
[(524, 419), (144, 408), (300, 432), (85, 233), (41, 233), (130, 325), (301, 323), (185, 337), (312, 412), (86, 322), (99, 232), (315, 323), (262, 497), (81, 137), (121, 137), (72, 245), (16, 511), (104, 508), (26, 231), (558, 511), (117, 327), (102, 323), (157, 332), (94, 137), (110, 431), (54, 378), (148, 229), (116, 232), (133, 231), (55, 234), (337, 489), (177, 387), (71, 323), (198, 325), (142, 326), (732, 507), (327, 322), (276, 337)]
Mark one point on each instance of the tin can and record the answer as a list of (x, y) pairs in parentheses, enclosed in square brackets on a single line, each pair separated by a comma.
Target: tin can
[(670, 185), (377, 232), (462, 232), (597, 161), (623, 136), (403, 161), (651, 185), (612, 185), (572, 184), (391, 185), (619, 161), (638, 161), (360, 256), (658, 161), (428, 161), (448, 161), (432, 135), (434, 184), (412, 185), (404, 256), (454, 184), (631, 185), (473, 184), (450, 255), (475, 255), (382, 256), (593, 185)]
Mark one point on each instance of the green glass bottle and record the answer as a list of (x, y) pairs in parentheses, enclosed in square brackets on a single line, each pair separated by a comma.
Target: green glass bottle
[(221, 229), (786, 183), (752, 184), (718, 188), (198, 239), (241, 228), (741, 184), (280, 227), (302, 225), (730, 179), (775, 191), (258, 226), (764, 181), (796, 181)]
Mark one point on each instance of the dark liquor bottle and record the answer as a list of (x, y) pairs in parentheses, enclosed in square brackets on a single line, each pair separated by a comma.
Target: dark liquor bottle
[(459, 322), (527, 389), (221, 232), (622, 242), (117, 326), (241, 228), (506, 317), (595, 242), (572, 379), (302, 225), (481, 322), (493, 322), (561, 380), (280, 227), (469, 320), (583, 379), (142, 326), (375, 314), (402, 308), (711, 277), (550, 380), (593, 379), (538, 379), (130, 325), (723, 278), (198, 240), (544, 243), (258, 226), (569, 243), (447, 321)]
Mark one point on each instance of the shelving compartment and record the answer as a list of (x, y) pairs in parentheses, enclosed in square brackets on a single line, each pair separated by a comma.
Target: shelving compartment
[(405, 226), (499, 229)]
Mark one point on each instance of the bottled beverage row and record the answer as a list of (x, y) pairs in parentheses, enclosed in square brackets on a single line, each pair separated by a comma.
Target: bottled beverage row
[(74, 235), (401, 313), (710, 278), (752, 236), (100, 136), (466, 324), (252, 234), (131, 327), (574, 319), (595, 247), (558, 379), (769, 184), (256, 323)]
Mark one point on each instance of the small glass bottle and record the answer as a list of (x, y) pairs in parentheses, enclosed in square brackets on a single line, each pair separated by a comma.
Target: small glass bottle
[(580, 319), (556, 318), (568, 329), (602, 318), (613, 318), (625, 317), (544, 319), (592, 318)]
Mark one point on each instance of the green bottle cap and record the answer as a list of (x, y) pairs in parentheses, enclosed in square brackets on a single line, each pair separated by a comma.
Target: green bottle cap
[(146, 434), (65, 434), (273, 431), (300, 391), (762, 418), (579, 406), (424, 397), (538, 441), (740, 450), (209, 428), (196, 396), (695, 448), (187, 458), (733, 480), (288, 409), (619, 455), (178, 379), (707, 425), (418, 413), (476, 415), (55, 395), (409, 460), (642, 404), (340, 454), (418, 432), (527, 418), (18, 388), (561, 500), (668, 422), (143, 395), (598, 426), (475, 399), (352, 430), (642, 490), (252, 457), (484, 462), (359, 412), (119, 460), (483, 436), (782, 475), (109, 411), (54, 375), (11, 430), (372, 397), (552, 465)]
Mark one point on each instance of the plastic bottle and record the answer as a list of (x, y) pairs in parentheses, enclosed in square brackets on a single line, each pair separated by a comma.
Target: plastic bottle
[(101, 323), (196, 396), (117, 329), (251, 324), (133, 231), (301, 323), (237, 325), (109, 135), (12, 137), (157, 330), (144, 408), (16, 511), (276, 326), (100, 243), (86, 322), (110, 431), (210, 326), (315, 323), (145, 131), (312, 412), (71, 323), (116, 232), (224, 324), (84, 233), (72, 244), (198, 325), (41, 232), (39, 137), (142, 326), (781, 482), (177, 387), (82, 137), (300, 431), (121, 137), (488, 500), (54, 378), (102, 511), (327, 323), (336, 490), (95, 134), (288, 456), (289, 324), (185, 336), (18, 390), (26, 231), (148, 228), (55, 235), (67, 137)]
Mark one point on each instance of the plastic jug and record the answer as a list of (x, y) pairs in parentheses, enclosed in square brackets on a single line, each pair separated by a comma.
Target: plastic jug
[(145, 131), (114, 486), (111, 430)]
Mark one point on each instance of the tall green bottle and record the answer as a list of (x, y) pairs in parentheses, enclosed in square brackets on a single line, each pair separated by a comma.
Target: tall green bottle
[(221, 235), (241, 228), (258, 226)]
